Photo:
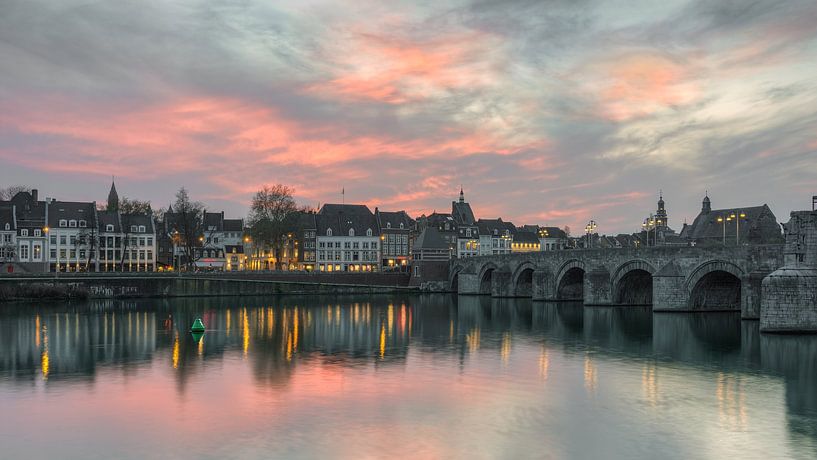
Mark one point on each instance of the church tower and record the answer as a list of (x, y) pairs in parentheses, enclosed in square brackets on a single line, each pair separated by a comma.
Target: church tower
[(661, 213), (462, 195), (113, 198), (706, 208)]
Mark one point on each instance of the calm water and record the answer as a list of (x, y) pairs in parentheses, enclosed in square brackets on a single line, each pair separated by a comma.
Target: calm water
[(419, 377)]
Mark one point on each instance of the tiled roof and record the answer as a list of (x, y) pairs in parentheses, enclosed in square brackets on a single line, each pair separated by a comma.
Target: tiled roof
[(233, 225), (71, 210), (526, 237), (429, 238), (343, 217), (387, 219), (759, 225)]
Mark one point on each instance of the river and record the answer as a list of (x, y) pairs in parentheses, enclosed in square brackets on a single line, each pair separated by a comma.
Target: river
[(398, 377)]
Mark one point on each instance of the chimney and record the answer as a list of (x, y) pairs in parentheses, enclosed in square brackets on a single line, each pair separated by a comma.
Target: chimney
[(34, 194)]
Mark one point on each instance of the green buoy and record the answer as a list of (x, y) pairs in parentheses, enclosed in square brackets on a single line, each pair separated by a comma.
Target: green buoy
[(197, 326), (197, 336)]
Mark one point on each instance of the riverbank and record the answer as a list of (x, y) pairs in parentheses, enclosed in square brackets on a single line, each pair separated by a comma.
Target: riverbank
[(146, 285)]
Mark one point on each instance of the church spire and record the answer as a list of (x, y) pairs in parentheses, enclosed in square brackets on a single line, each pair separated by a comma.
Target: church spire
[(113, 197), (462, 195)]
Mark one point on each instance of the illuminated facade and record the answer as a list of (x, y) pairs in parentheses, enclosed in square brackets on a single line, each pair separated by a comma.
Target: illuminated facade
[(347, 239)]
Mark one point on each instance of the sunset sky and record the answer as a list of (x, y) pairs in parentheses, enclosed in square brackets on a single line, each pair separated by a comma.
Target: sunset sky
[(547, 112)]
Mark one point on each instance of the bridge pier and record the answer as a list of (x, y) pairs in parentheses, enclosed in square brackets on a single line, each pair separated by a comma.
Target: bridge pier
[(543, 285), (468, 284), (668, 290), (752, 292), (597, 288), (502, 284)]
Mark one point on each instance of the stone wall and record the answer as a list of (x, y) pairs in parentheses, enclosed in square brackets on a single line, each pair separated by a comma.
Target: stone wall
[(174, 285)]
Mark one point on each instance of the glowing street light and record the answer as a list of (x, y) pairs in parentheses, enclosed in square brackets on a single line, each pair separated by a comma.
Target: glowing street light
[(588, 229), (737, 217)]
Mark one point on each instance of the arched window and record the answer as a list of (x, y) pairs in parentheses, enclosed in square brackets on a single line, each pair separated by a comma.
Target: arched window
[(388, 224), (63, 223), (369, 232), (401, 225), (328, 232), (109, 228), (351, 232), (8, 227)]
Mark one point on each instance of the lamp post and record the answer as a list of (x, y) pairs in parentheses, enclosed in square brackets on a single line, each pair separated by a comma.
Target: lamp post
[(589, 231), (737, 216), (723, 222)]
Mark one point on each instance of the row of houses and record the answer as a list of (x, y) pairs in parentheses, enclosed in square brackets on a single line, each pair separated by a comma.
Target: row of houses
[(51, 235)]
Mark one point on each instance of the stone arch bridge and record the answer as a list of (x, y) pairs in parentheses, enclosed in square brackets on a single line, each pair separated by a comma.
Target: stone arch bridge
[(668, 278)]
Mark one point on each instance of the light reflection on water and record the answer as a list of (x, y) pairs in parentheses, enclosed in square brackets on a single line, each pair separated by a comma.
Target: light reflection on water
[(429, 376)]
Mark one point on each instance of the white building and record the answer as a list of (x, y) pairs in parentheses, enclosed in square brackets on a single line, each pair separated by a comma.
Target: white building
[(347, 239)]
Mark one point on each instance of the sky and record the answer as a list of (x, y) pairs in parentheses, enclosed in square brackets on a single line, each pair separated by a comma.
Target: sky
[(545, 112)]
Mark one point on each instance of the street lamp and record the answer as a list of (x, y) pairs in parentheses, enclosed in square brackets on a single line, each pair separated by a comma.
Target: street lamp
[(723, 222), (737, 217), (588, 229)]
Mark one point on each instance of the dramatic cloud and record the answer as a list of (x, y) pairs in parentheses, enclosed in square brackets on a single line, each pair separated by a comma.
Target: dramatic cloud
[(546, 112)]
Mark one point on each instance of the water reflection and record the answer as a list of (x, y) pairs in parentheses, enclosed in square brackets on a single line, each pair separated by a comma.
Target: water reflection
[(652, 364)]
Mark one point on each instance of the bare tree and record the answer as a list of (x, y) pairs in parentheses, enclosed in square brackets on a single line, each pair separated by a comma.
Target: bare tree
[(273, 214), (187, 225), (9, 192), (129, 207)]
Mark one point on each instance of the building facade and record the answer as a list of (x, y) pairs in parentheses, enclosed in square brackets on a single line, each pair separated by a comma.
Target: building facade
[(347, 239)]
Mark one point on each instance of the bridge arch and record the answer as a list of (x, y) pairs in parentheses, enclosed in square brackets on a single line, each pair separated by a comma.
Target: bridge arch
[(454, 278), (570, 280), (632, 283), (485, 278), (715, 285), (523, 279)]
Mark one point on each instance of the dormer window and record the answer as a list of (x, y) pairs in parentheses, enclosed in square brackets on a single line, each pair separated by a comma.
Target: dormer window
[(388, 224), (37, 232), (109, 228), (63, 223), (24, 232), (72, 223), (369, 232), (83, 223), (351, 232), (328, 232), (8, 227), (401, 225), (133, 228), (142, 229)]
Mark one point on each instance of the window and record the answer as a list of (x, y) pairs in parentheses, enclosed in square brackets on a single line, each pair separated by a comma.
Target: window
[(150, 255), (73, 239), (374, 244), (368, 232), (38, 252), (150, 241), (24, 232), (82, 253), (63, 223), (141, 241), (365, 245), (83, 223), (141, 229), (351, 232), (8, 227), (322, 244), (63, 253), (24, 251), (355, 245), (63, 239), (72, 223), (53, 253), (337, 244), (54, 240), (388, 224), (73, 253), (109, 228), (133, 228), (38, 232), (328, 232)]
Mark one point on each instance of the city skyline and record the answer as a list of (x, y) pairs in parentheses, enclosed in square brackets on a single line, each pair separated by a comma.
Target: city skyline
[(546, 113)]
